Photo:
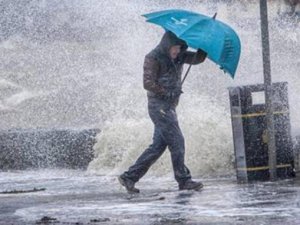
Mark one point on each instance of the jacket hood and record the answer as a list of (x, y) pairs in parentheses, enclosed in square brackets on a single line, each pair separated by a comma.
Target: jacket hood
[(168, 40)]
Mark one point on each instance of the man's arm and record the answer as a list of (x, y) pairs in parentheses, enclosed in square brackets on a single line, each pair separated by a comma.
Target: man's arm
[(194, 58), (151, 70)]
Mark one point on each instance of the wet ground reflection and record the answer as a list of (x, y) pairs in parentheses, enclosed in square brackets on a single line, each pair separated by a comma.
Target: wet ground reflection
[(74, 197)]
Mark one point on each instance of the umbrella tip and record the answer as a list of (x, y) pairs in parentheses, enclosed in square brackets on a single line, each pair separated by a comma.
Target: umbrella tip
[(214, 16)]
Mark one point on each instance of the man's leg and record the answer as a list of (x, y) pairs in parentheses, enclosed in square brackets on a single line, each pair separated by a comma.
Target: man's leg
[(144, 162), (172, 135), (174, 138)]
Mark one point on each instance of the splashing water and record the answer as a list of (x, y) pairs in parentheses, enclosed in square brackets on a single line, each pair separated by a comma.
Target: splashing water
[(204, 108), (79, 64)]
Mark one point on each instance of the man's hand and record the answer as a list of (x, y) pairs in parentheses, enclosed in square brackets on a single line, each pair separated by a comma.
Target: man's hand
[(173, 94), (201, 53)]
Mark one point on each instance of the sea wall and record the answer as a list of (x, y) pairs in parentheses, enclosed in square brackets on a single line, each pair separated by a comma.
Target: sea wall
[(46, 148)]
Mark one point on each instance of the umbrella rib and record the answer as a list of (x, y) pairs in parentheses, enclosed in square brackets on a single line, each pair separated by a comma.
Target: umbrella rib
[(164, 13), (154, 17), (191, 26)]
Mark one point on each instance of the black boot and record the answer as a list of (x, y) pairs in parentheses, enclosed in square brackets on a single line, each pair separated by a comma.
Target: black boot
[(191, 185), (128, 184)]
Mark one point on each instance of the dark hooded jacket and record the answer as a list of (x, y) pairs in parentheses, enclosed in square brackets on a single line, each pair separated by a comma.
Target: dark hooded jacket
[(161, 73)]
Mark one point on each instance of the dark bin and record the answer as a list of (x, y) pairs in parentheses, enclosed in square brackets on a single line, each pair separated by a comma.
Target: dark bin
[(248, 116)]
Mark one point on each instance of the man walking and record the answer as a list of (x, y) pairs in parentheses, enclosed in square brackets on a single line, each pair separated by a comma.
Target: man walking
[(162, 80)]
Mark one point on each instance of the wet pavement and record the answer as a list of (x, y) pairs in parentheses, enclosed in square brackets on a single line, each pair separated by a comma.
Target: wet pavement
[(76, 197)]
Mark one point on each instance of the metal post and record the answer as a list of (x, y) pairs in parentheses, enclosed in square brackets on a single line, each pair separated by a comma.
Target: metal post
[(268, 89)]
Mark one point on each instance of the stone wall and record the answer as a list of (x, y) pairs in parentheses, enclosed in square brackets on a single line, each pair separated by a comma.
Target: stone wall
[(46, 148)]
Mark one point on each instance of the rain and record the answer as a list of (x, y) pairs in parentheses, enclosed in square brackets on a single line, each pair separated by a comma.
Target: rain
[(74, 115)]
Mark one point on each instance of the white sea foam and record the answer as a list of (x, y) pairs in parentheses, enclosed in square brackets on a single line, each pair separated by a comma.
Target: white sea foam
[(80, 65), (203, 112)]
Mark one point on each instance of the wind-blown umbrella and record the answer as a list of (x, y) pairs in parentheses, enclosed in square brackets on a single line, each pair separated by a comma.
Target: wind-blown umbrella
[(219, 40)]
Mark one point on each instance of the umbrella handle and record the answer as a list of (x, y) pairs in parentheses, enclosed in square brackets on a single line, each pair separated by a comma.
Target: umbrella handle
[(214, 16), (188, 70)]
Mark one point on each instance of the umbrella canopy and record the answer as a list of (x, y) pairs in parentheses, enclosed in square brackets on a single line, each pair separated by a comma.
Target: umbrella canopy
[(219, 40)]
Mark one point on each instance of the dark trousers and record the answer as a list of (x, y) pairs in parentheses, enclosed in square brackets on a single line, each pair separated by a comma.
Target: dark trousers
[(167, 133)]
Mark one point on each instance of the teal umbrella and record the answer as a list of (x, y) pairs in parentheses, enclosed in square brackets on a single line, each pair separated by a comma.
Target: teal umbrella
[(219, 40)]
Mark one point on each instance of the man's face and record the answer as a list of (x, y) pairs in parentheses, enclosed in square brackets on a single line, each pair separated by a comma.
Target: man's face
[(174, 51)]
